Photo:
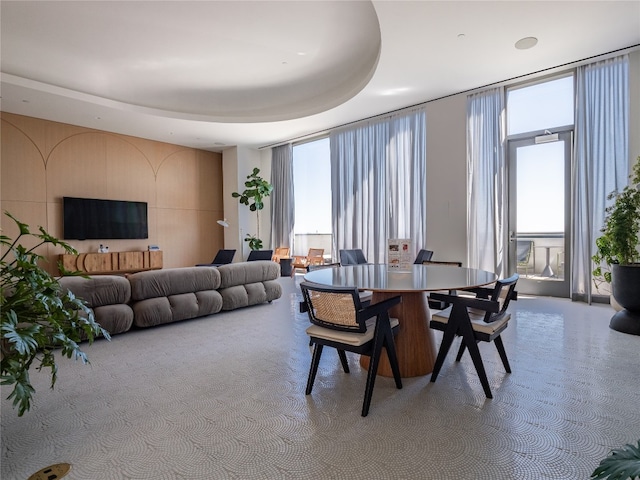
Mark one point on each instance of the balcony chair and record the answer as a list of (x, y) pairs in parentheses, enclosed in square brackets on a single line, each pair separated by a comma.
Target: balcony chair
[(476, 319), (222, 258), (281, 252), (340, 321), (524, 251), (352, 257), (259, 255), (314, 257)]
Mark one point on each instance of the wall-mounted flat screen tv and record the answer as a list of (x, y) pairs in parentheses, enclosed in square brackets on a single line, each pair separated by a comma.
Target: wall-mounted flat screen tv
[(91, 218)]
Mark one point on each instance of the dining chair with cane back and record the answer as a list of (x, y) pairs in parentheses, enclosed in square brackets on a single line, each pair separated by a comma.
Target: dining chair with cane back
[(354, 256), (423, 256), (476, 319), (339, 320), (365, 296), (436, 304)]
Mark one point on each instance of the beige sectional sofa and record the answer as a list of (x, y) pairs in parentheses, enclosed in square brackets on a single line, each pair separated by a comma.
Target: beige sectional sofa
[(157, 297)]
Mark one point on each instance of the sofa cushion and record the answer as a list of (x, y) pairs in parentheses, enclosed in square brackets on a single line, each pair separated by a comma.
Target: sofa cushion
[(152, 311), (248, 272), (172, 281), (248, 294), (98, 290), (116, 318), (159, 310), (108, 296)]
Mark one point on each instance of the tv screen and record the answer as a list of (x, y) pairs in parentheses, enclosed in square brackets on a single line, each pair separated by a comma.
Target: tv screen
[(90, 218)]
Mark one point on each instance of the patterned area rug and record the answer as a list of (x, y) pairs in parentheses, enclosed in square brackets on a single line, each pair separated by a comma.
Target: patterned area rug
[(222, 397)]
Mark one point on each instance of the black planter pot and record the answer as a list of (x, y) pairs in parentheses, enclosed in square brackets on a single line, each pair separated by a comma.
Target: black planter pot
[(625, 286)]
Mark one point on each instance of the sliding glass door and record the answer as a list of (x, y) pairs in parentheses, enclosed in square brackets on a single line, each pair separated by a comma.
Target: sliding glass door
[(539, 210)]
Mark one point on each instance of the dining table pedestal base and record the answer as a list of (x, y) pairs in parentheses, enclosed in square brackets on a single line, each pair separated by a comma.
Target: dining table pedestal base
[(415, 346)]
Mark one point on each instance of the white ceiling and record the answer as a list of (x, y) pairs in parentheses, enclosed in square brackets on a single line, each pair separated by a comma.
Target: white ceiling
[(213, 74)]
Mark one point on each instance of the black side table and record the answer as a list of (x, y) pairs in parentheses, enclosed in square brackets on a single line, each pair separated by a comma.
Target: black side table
[(285, 267)]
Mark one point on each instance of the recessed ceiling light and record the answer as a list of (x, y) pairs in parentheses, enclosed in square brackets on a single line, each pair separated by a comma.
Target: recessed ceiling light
[(526, 43)]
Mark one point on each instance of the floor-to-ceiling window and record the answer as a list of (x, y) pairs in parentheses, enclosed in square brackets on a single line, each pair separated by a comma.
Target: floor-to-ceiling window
[(312, 190), (539, 133)]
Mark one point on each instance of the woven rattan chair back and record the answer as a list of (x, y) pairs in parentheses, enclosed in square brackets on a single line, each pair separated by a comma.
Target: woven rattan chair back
[(334, 308)]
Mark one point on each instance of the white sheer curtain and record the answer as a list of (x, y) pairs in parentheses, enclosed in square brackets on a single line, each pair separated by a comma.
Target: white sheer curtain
[(601, 162), (282, 197), (486, 181), (378, 183)]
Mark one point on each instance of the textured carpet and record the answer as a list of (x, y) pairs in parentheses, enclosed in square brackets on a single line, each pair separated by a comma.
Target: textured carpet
[(222, 397)]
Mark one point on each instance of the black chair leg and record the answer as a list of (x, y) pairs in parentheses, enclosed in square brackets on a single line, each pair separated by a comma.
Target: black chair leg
[(378, 342), (469, 338), (390, 347), (503, 353), (343, 360), (447, 339), (315, 361), (461, 351)]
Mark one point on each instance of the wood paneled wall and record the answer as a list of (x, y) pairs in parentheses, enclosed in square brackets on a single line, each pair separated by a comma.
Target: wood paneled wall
[(43, 161)]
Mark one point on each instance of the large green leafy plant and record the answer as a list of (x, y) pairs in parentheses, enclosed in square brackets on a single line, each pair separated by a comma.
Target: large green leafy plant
[(619, 241), (621, 464), (39, 318), (256, 190)]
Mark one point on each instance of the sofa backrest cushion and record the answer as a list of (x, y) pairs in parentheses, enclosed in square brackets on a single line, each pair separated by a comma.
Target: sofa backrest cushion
[(99, 290), (248, 272), (173, 281)]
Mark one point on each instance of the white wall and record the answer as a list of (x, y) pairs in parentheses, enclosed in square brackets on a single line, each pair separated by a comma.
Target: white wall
[(446, 179), (237, 164)]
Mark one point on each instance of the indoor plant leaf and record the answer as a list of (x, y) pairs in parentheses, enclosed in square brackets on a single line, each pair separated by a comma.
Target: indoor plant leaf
[(39, 319), (621, 464)]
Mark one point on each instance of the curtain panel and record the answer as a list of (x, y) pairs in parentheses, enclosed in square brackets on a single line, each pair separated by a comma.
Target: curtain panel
[(282, 197), (486, 182), (378, 183), (601, 160)]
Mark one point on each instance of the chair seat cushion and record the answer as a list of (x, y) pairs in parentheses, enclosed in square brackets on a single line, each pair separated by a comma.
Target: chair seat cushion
[(477, 320), (355, 339)]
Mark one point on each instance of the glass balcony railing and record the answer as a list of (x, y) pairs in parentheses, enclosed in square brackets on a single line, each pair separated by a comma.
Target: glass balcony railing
[(545, 259)]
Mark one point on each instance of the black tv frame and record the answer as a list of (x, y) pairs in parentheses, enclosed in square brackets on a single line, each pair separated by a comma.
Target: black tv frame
[(99, 219)]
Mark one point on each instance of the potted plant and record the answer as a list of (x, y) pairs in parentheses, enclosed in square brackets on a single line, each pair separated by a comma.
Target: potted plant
[(617, 248), (39, 318), (256, 190)]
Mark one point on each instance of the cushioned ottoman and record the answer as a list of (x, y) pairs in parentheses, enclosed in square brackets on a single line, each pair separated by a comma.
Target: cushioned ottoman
[(174, 294), (249, 283), (108, 296)]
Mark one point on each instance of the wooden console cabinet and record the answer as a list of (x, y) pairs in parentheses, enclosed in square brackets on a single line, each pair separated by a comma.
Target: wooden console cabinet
[(113, 262)]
